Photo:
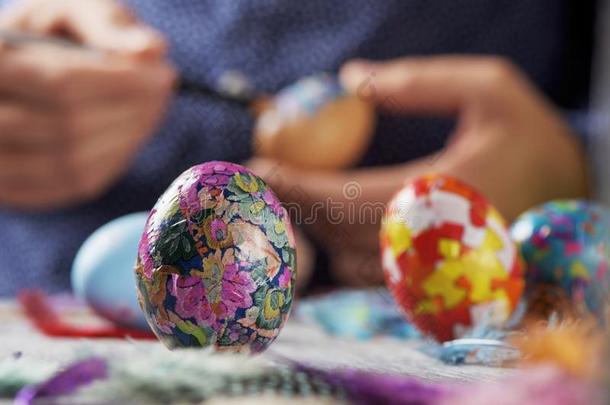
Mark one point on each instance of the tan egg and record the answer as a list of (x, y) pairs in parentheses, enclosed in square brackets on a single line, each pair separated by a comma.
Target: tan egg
[(315, 124)]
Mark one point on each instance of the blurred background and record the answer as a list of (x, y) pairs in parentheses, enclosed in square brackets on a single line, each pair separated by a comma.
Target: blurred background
[(601, 96), (105, 103)]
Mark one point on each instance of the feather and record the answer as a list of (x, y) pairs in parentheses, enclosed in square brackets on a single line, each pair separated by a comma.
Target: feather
[(65, 382), (574, 346), (543, 385), (367, 388)]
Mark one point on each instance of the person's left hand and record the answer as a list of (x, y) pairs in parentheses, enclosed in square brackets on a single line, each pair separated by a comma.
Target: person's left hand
[(341, 210)]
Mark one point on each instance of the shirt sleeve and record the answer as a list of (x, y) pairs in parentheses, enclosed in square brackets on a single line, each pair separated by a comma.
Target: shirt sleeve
[(196, 129)]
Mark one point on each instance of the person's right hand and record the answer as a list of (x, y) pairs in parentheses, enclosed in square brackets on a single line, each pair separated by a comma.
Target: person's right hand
[(71, 120)]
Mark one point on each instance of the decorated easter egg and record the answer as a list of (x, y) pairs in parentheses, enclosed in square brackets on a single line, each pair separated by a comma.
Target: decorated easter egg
[(217, 261), (314, 123), (448, 258), (567, 244), (102, 272)]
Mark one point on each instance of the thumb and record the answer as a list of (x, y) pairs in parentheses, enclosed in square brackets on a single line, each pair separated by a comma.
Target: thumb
[(101, 24), (440, 84)]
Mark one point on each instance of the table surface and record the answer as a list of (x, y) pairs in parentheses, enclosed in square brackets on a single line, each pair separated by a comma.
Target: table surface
[(301, 341)]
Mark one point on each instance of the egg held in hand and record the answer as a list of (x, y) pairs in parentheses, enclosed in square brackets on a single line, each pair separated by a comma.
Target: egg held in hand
[(566, 244), (448, 259), (314, 123), (217, 261)]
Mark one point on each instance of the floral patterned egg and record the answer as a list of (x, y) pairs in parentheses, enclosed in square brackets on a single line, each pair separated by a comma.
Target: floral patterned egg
[(217, 261), (566, 244), (448, 259)]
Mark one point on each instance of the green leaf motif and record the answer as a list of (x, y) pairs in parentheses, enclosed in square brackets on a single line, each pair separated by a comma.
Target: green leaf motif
[(272, 310), (191, 329), (174, 243), (289, 256), (275, 229), (259, 272)]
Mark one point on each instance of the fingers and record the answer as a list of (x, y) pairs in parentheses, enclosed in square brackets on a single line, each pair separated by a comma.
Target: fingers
[(48, 181), (111, 27), (23, 127), (101, 24), (27, 144), (63, 76), (81, 164), (27, 132), (308, 187), (24, 167), (25, 197), (104, 79), (111, 131), (338, 208), (441, 84), (71, 119)]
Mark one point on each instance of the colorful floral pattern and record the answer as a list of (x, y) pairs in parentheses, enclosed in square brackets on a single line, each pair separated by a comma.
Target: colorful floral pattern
[(566, 244), (217, 261), (448, 258)]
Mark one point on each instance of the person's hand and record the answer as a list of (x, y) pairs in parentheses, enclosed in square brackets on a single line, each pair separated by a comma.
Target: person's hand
[(102, 24), (341, 210), (509, 143), (71, 120)]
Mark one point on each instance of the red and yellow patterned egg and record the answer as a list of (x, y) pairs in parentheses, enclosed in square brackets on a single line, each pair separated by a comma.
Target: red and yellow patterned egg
[(448, 258)]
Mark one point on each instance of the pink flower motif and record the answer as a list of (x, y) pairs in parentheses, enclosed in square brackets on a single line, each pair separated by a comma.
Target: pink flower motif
[(273, 202), (210, 174), (216, 173), (187, 190), (163, 324), (215, 180), (206, 316), (237, 289), (214, 295), (191, 301), (145, 258), (219, 236), (285, 278), (189, 293), (189, 200)]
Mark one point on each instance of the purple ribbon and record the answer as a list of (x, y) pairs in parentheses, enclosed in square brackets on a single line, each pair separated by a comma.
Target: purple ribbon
[(65, 382)]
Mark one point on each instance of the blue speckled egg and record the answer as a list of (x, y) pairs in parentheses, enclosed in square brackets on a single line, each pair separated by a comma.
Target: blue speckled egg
[(567, 244), (102, 272)]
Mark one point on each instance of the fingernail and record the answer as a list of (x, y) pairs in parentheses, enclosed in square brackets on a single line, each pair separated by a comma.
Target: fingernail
[(144, 42), (353, 72), (361, 66)]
